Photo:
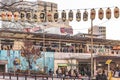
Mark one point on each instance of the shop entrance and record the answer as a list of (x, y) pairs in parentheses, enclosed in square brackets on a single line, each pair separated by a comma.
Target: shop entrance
[(84, 68), (2, 68), (63, 67)]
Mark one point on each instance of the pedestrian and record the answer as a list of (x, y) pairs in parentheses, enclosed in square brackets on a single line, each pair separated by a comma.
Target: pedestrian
[(101, 75), (104, 75), (50, 72), (57, 73)]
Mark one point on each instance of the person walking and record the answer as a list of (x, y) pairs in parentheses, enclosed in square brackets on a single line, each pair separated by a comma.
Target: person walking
[(104, 76), (50, 72), (101, 75)]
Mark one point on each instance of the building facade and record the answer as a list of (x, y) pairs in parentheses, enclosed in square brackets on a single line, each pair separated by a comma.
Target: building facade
[(99, 30)]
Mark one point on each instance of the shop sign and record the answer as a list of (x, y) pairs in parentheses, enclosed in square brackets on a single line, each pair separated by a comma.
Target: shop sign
[(108, 61)]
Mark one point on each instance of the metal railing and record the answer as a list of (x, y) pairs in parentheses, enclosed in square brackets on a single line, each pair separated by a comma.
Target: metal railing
[(22, 76)]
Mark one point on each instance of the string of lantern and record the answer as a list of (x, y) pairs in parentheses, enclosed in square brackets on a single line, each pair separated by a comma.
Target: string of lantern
[(53, 16)]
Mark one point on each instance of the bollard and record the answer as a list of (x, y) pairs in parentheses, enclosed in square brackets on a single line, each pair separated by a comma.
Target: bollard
[(17, 76), (35, 77), (10, 76), (52, 76), (61, 77), (25, 77), (3, 75)]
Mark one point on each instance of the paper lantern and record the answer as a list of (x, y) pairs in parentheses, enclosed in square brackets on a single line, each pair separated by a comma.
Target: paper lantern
[(16, 16), (100, 13), (70, 15), (9, 15), (3, 15), (116, 12), (92, 14), (56, 15), (49, 16), (108, 13), (42, 16), (63, 16), (35, 16), (22, 16), (78, 16), (85, 16), (28, 16)]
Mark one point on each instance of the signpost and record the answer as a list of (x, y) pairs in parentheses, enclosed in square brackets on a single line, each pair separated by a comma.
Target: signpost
[(109, 72)]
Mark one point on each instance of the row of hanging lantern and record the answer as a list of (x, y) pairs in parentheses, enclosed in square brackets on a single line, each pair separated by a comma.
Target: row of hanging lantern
[(50, 16), (29, 16)]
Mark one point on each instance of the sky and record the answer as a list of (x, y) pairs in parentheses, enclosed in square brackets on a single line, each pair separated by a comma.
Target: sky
[(112, 25)]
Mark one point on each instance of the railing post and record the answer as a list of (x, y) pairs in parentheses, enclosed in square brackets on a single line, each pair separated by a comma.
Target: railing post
[(52, 76), (61, 77), (25, 77), (3, 75), (17, 76), (35, 77), (10, 76)]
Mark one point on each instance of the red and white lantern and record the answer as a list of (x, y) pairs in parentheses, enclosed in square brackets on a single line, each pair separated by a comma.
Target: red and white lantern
[(16, 16), (116, 12), (100, 14), (78, 15), (28, 16), (9, 15), (42, 16), (3, 15), (92, 14), (85, 16), (22, 16), (35, 16), (108, 13), (70, 15), (63, 14), (56, 15), (49, 16)]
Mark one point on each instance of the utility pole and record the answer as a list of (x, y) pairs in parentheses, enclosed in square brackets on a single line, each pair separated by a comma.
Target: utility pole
[(91, 49)]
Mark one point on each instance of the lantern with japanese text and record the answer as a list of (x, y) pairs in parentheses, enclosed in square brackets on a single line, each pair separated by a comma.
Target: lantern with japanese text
[(63, 14), (92, 14), (28, 16), (78, 15), (9, 15), (56, 15), (16, 16), (35, 16), (116, 12), (49, 16), (70, 15), (100, 13), (108, 13), (42, 16), (85, 16), (3, 15), (22, 16)]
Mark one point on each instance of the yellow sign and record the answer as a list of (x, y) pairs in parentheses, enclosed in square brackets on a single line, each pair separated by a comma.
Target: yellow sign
[(108, 61)]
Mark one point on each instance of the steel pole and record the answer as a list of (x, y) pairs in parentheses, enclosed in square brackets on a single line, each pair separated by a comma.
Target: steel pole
[(44, 48), (91, 49)]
